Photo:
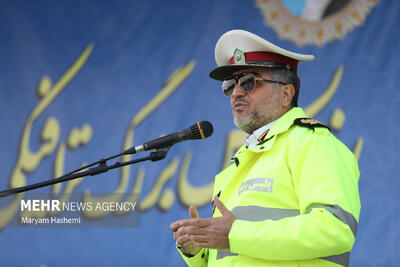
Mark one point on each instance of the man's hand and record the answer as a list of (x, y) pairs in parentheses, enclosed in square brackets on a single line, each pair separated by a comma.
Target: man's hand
[(205, 233), (180, 237)]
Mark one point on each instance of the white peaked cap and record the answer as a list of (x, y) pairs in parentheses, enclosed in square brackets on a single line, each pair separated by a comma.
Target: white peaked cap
[(238, 49)]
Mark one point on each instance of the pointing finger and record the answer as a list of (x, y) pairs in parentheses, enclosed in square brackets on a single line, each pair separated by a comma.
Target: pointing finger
[(193, 212)]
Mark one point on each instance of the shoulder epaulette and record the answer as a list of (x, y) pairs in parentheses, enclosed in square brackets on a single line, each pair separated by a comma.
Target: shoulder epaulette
[(309, 123)]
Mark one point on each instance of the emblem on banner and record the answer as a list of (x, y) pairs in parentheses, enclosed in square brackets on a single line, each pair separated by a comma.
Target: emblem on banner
[(238, 57), (314, 21)]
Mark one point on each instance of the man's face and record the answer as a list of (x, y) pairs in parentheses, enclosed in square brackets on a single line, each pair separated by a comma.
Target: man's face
[(251, 110)]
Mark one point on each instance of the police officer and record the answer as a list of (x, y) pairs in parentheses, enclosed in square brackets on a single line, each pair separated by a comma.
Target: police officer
[(290, 196)]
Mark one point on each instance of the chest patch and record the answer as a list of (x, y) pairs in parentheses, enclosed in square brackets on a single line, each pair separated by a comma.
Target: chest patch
[(257, 184)]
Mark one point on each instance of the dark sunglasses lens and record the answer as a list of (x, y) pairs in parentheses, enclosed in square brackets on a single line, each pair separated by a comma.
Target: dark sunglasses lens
[(247, 82), (228, 86)]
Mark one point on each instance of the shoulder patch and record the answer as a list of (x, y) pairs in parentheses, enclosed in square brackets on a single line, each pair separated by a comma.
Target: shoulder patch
[(309, 123)]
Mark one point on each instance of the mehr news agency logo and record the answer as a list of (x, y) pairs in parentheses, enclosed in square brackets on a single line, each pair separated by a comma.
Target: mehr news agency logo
[(37, 211)]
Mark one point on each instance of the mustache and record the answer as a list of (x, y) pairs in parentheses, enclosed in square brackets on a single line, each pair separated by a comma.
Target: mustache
[(241, 100)]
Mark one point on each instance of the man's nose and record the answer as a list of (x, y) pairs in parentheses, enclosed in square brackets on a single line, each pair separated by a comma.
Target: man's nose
[(237, 91)]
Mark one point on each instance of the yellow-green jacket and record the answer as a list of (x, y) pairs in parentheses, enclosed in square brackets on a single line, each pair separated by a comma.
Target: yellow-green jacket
[(295, 197)]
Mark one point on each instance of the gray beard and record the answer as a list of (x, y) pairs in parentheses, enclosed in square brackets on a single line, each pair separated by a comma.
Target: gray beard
[(253, 122)]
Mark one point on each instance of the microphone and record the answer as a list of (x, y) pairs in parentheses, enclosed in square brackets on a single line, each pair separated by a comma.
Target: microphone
[(199, 130)]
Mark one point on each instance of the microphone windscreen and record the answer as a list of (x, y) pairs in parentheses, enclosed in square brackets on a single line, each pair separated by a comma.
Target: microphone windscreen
[(199, 130), (207, 128)]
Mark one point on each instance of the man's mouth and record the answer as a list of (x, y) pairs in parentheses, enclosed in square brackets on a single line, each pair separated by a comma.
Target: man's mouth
[(239, 105)]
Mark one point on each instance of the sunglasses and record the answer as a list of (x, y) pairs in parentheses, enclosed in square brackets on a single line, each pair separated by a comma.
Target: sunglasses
[(247, 82)]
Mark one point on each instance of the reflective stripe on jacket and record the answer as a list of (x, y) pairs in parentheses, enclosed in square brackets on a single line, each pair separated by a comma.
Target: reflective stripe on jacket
[(295, 197)]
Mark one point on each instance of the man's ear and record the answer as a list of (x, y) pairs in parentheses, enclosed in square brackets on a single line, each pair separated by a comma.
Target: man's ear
[(287, 94)]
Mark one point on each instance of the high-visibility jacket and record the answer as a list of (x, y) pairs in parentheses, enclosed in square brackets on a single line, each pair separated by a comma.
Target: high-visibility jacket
[(295, 197)]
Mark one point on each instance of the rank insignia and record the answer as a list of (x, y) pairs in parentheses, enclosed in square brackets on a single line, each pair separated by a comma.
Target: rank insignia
[(238, 57), (309, 123)]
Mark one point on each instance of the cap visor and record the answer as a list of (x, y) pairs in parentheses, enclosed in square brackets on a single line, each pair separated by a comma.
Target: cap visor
[(224, 72)]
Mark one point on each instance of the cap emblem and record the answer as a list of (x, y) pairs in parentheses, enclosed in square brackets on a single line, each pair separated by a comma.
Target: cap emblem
[(238, 57)]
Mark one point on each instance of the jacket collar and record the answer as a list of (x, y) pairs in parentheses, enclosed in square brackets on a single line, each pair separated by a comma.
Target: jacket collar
[(258, 136), (286, 121)]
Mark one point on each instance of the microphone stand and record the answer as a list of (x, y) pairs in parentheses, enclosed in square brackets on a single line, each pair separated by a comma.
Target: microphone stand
[(102, 167)]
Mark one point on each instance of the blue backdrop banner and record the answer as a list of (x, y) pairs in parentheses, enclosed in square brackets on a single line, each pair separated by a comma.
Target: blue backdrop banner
[(84, 80)]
